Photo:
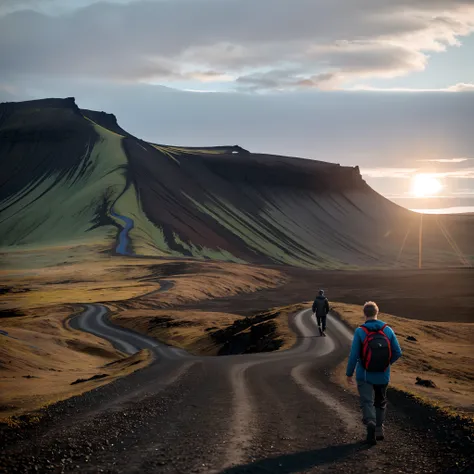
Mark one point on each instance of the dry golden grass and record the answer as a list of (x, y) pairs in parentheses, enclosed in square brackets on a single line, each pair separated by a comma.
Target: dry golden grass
[(29, 400), (184, 329), (443, 353), (40, 357), (88, 275), (17, 259), (88, 282), (42, 284), (190, 330), (220, 280), (206, 281)]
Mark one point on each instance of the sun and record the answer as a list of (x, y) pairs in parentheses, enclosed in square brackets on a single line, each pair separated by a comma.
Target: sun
[(425, 185)]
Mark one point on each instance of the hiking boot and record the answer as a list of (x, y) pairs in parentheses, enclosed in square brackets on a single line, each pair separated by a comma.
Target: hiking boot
[(379, 434), (371, 439)]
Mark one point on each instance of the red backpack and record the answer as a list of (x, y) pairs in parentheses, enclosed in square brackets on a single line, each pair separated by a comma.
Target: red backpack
[(376, 350)]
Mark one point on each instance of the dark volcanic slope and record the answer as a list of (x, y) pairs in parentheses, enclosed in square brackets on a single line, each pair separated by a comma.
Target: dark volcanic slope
[(56, 174), (71, 175), (40, 139)]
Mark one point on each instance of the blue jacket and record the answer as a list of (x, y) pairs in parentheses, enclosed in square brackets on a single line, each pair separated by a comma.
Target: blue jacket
[(375, 378)]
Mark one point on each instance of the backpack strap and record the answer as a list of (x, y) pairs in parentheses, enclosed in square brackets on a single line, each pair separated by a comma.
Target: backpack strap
[(364, 348), (388, 339), (382, 329), (366, 330)]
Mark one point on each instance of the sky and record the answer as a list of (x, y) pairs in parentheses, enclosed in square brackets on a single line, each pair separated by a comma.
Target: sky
[(387, 85)]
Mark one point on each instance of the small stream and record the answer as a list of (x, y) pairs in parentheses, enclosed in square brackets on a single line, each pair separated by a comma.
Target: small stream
[(123, 239)]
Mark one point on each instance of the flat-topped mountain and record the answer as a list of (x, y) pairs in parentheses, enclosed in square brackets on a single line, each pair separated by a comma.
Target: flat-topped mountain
[(70, 175)]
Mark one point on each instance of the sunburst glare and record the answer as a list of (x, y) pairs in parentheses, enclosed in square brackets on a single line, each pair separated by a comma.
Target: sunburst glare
[(425, 185)]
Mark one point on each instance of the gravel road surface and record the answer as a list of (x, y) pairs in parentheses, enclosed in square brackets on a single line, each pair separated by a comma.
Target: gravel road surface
[(258, 413)]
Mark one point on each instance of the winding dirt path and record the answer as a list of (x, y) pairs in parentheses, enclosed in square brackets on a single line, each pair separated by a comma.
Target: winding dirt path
[(262, 413)]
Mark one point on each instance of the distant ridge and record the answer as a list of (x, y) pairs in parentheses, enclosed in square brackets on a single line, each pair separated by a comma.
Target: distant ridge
[(73, 175), (105, 120)]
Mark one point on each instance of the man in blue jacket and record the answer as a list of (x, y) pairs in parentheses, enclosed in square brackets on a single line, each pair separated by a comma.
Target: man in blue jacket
[(374, 348)]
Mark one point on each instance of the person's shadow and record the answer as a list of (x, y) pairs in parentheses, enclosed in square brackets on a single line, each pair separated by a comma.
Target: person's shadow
[(289, 463)]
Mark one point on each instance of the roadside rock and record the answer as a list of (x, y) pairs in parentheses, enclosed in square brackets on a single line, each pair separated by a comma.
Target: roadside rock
[(425, 383), (262, 337), (166, 322), (95, 377)]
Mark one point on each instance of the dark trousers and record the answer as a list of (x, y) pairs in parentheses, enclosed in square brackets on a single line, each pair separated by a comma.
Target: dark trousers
[(321, 320), (373, 402)]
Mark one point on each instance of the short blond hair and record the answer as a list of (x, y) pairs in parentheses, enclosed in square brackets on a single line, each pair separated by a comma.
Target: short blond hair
[(371, 310)]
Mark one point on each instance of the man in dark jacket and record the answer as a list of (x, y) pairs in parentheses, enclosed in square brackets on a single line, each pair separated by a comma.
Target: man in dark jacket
[(321, 309)]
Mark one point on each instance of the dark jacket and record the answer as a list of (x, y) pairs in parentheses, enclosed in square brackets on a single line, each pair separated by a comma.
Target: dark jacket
[(321, 305)]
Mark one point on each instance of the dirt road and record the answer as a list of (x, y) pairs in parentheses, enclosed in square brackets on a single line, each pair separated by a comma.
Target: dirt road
[(259, 413)]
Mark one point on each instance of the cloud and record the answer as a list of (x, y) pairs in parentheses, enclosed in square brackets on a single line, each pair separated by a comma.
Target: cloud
[(466, 173), (410, 196), (265, 44), (357, 57), (446, 210), (209, 76), (286, 80), (51, 7), (446, 160), (388, 172), (8, 6), (461, 87)]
